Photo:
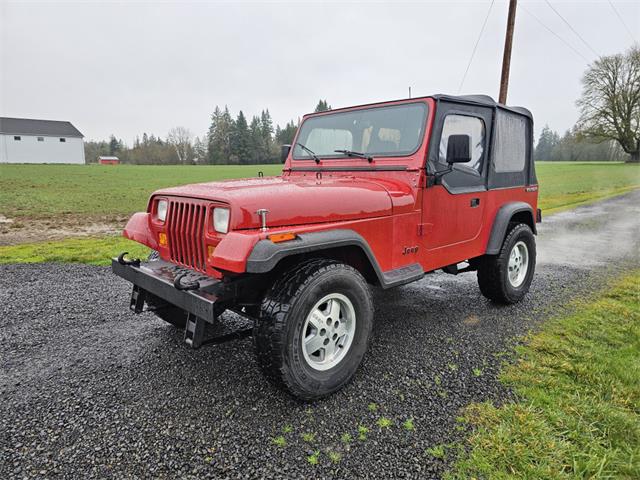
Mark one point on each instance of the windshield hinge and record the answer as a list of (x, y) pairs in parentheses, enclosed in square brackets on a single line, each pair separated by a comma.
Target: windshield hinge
[(422, 183)]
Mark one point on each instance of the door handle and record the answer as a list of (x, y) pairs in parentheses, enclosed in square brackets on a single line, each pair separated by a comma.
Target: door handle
[(475, 202)]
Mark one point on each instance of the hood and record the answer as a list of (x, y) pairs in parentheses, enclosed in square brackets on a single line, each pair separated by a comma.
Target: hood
[(292, 200)]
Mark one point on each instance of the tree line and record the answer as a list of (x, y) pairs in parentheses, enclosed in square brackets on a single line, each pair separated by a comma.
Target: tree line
[(574, 146), (229, 140)]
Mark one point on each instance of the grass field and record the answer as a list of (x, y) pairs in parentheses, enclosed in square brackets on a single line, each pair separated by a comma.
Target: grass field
[(578, 414), (42, 191), (92, 251), (568, 184), (37, 191)]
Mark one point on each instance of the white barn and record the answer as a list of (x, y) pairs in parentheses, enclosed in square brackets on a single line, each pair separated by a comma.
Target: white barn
[(25, 140)]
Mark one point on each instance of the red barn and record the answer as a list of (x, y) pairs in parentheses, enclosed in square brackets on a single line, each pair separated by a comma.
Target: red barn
[(108, 160)]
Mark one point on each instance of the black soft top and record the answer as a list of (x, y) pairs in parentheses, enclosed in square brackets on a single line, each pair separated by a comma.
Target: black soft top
[(478, 99), (484, 100)]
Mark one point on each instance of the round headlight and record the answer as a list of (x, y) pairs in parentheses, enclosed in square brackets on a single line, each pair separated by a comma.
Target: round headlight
[(221, 219), (161, 210)]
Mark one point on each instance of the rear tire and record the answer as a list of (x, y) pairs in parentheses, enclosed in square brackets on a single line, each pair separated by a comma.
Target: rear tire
[(314, 328), (506, 277)]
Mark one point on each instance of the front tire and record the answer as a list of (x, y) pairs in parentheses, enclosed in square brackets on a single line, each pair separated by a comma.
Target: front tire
[(505, 278), (314, 328)]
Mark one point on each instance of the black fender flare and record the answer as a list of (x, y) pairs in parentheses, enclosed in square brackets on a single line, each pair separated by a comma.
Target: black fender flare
[(501, 223), (265, 254)]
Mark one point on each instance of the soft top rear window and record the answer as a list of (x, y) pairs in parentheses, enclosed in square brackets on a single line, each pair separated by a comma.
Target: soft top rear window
[(391, 131)]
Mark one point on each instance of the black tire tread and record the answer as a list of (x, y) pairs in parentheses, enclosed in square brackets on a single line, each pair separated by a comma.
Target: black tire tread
[(491, 269), (268, 332)]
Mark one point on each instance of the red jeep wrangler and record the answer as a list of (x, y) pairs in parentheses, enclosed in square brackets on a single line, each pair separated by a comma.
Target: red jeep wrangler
[(375, 195)]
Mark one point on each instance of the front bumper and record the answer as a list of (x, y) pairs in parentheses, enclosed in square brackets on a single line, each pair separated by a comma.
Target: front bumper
[(158, 277)]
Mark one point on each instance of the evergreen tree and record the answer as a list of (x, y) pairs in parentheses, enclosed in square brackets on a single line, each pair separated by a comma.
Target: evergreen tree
[(227, 128), (284, 136), (240, 141), (267, 136), (546, 143), (219, 136), (256, 140), (322, 106), (115, 145), (211, 136)]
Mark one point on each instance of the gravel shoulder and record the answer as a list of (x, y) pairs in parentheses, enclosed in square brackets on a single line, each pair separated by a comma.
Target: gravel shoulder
[(91, 390)]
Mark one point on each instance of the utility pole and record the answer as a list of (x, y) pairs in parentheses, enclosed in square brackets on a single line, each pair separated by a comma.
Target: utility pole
[(506, 58)]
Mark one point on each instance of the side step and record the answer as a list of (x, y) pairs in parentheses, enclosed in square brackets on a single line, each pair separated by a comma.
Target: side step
[(198, 332)]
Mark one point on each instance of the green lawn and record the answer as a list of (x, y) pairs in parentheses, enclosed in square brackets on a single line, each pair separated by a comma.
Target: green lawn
[(568, 184), (578, 413), (93, 251), (42, 191)]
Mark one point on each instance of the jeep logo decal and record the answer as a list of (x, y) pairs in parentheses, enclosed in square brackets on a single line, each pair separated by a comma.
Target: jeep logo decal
[(409, 250)]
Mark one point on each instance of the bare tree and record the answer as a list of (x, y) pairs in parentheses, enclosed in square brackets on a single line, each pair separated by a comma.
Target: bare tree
[(180, 138), (610, 102)]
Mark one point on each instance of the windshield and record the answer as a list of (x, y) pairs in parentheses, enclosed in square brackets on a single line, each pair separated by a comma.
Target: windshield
[(381, 131)]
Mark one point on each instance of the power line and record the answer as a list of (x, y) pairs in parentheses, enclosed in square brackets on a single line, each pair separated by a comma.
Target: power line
[(556, 35), (475, 47), (622, 21), (572, 29)]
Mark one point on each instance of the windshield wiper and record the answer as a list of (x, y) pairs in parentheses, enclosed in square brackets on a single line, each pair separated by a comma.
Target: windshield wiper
[(308, 150), (351, 153)]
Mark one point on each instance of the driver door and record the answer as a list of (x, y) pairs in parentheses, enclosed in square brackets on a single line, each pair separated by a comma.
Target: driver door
[(453, 210)]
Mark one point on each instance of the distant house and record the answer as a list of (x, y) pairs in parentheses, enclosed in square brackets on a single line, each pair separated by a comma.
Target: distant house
[(108, 160), (26, 140)]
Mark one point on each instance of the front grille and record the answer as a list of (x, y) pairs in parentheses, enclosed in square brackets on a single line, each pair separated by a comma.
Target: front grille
[(185, 229)]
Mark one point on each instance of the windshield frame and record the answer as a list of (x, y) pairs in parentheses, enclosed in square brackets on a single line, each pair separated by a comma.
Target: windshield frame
[(343, 157)]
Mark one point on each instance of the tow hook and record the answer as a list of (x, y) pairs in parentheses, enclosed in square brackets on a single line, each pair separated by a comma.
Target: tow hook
[(177, 282), (122, 261)]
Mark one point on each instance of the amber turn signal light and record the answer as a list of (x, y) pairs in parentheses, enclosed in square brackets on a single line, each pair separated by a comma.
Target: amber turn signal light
[(281, 237), (210, 250), (162, 239)]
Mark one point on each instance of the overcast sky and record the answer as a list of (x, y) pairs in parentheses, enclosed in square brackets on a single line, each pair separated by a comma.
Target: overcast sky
[(130, 67)]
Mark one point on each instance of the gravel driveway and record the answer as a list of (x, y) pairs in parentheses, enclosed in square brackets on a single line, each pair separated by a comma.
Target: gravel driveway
[(90, 390)]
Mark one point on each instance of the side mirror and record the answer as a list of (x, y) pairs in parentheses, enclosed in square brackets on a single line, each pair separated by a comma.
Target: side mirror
[(458, 149), (284, 152)]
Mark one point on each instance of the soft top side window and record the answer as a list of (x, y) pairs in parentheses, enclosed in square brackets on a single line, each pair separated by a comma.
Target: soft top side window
[(510, 145), (455, 124)]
